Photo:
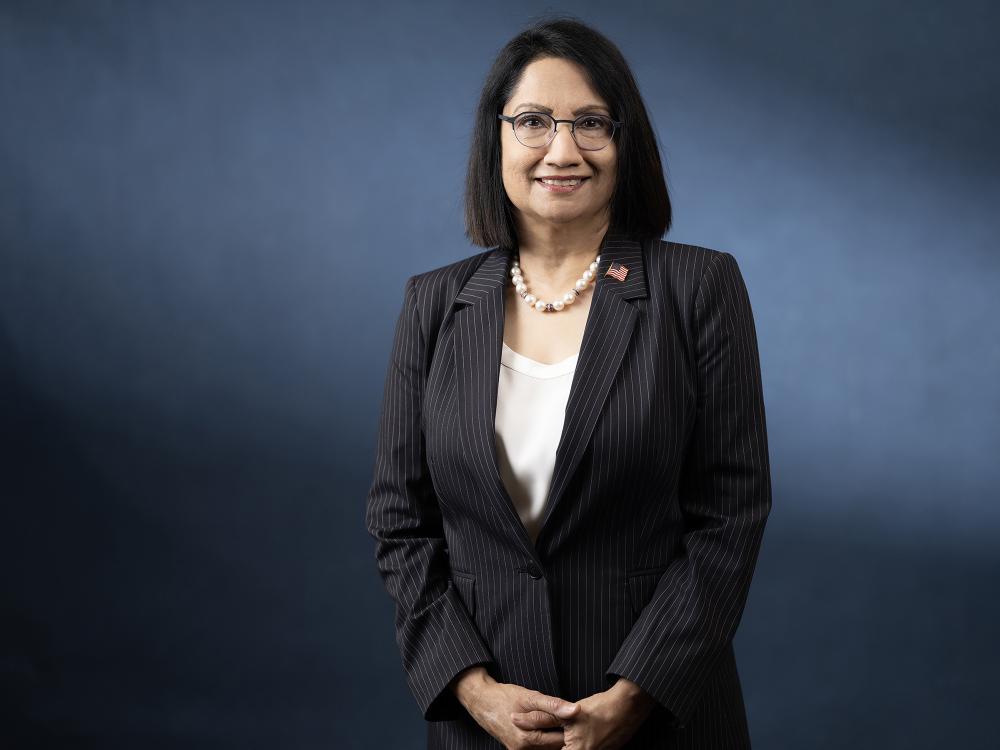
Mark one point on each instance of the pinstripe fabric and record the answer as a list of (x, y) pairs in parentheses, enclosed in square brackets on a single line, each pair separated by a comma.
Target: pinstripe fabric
[(654, 517)]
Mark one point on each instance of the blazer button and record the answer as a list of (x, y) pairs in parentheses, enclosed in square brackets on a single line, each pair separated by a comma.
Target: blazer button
[(534, 571)]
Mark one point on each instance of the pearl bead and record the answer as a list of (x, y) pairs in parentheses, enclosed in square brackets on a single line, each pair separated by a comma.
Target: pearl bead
[(558, 304), (593, 266), (569, 298), (588, 275), (521, 288), (531, 299), (581, 284), (540, 306)]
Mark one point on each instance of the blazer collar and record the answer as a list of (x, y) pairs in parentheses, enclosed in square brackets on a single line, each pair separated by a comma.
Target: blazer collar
[(616, 246), (479, 324)]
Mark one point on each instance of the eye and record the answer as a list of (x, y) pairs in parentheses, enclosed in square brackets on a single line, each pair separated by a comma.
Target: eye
[(593, 123), (531, 121)]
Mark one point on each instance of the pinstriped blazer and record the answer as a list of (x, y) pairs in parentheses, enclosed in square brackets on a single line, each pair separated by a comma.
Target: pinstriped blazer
[(653, 520)]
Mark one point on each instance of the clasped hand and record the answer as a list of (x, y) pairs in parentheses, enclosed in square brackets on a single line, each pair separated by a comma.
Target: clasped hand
[(523, 718)]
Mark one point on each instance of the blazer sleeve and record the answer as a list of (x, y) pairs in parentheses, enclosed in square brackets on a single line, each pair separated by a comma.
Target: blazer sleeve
[(435, 634), (724, 491)]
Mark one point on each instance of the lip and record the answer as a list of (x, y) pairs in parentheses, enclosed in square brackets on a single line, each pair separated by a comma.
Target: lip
[(562, 188)]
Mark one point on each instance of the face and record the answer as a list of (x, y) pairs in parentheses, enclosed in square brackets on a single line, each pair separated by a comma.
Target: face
[(561, 86)]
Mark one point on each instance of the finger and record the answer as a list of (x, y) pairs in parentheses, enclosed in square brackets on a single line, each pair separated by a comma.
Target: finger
[(549, 704), (535, 720), (547, 740)]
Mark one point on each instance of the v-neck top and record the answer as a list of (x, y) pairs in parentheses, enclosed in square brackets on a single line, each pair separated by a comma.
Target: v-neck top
[(531, 408)]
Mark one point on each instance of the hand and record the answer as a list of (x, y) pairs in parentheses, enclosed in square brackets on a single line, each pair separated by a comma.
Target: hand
[(492, 703), (605, 721)]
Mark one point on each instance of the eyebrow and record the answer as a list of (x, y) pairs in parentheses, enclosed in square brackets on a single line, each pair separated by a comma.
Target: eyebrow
[(548, 110)]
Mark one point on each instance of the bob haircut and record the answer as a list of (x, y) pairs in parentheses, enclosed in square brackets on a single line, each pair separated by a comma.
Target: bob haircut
[(640, 204)]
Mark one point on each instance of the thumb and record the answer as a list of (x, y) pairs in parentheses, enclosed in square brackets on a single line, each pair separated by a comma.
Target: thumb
[(550, 704), (567, 710)]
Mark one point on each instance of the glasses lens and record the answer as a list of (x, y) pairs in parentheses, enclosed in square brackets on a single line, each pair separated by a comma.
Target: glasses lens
[(533, 128), (594, 131)]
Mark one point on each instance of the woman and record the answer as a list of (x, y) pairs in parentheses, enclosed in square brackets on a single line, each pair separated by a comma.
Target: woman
[(572, 477)]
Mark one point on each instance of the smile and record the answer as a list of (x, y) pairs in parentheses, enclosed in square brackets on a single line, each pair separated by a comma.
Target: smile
[(561, 186)]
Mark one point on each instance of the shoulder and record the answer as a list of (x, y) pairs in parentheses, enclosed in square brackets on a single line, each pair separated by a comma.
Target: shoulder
[(680, 259), (434, 290), (447, 279), (681, 269)]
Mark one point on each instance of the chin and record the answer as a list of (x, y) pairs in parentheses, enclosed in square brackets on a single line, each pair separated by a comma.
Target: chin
[(574, 213)]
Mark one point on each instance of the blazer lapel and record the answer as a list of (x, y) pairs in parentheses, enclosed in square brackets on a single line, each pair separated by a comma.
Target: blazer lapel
[(478, 342), (606, 336)]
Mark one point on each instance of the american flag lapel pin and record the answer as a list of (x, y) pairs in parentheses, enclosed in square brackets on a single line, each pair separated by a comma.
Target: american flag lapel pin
[(618, 271)]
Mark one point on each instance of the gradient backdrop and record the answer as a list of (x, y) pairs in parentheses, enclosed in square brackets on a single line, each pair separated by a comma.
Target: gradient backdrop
[(207, 214)]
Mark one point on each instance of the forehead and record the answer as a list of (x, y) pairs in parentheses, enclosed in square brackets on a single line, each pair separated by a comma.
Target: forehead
[(556, 84)]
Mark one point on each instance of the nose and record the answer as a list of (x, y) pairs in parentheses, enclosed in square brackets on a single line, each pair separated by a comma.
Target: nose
[(563, 149)]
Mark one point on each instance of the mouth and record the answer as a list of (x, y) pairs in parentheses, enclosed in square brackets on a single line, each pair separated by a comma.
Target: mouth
[(556, 185)]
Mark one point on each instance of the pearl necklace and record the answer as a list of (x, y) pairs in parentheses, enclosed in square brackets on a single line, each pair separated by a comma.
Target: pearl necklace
[(567, 299)]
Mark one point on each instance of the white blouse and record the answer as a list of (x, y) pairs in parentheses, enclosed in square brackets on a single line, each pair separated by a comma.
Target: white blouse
[(531, 408)]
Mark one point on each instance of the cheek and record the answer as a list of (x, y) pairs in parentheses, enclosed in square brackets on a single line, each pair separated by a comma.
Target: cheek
[(610, 173), (611, 163), (518, 172), (514, 169)]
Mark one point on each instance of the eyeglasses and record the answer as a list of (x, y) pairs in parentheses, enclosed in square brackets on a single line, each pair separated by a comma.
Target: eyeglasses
[(537, 129)]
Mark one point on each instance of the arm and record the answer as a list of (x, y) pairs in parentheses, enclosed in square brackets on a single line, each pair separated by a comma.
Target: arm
[(725, 494), (436, 637)]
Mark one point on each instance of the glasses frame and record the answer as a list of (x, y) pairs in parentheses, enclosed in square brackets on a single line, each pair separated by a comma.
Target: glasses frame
[(615, 126)]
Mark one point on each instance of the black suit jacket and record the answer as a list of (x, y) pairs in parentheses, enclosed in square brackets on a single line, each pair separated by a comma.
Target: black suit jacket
[(653, 520)]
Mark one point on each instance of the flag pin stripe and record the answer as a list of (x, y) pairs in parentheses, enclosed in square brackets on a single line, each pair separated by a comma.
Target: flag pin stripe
[(617, 271)]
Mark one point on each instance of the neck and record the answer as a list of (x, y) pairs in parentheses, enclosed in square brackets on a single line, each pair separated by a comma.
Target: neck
[(554, 256)]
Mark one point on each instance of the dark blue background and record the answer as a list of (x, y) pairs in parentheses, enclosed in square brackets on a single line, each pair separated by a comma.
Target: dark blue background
[(207, 213)]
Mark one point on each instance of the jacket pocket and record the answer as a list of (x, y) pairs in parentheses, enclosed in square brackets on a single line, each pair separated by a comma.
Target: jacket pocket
[(465, 583), (641, 584)]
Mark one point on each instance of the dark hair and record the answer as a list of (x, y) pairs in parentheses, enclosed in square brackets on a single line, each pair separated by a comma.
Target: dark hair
[(640, 204)]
